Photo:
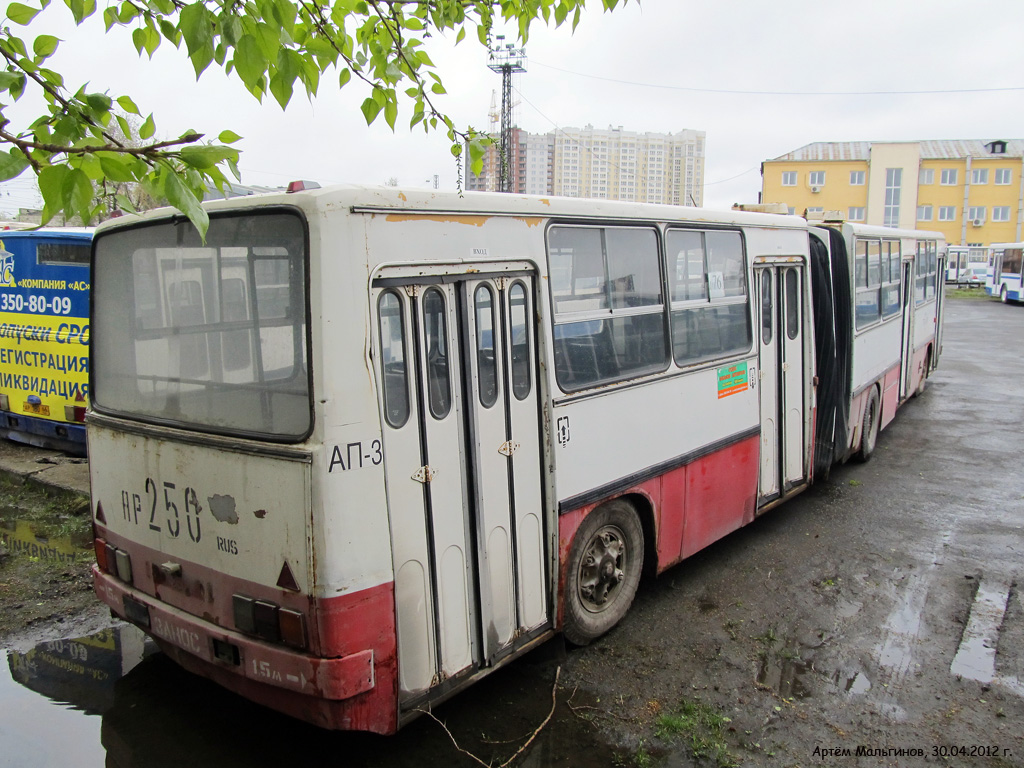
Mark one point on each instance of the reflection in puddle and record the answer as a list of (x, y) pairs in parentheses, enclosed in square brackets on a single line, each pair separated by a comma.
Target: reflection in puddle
[(109, 700), (785, 676), (82, 671), (21, 537)]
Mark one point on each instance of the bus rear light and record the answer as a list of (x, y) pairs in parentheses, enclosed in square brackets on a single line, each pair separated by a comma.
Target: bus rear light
[(265, 615), (100, 546), (269, 621), (245, 620), (124, 565), (293, 628), (112, 560), (74, 413)]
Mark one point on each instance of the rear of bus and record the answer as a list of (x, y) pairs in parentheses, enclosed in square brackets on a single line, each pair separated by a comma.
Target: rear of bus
[(203, 447), (44, 337)]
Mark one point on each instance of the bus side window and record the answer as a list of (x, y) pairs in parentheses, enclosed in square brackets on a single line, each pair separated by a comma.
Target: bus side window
[(890, 278), (519, 332), (868, 271), (435, 325), (606, 290), (487, 364), (792, 304), (708, 281), (392, 343)]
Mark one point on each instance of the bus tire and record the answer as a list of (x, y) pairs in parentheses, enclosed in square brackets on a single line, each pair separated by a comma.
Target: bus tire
[(603, 572), (869, 427), (923, 383), (1002, 295)]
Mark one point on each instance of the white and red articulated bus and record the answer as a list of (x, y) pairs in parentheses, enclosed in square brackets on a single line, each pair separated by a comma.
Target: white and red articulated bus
[(362, 446)]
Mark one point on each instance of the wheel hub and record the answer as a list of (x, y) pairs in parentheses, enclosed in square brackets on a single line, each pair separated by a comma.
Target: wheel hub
[(602, 569)]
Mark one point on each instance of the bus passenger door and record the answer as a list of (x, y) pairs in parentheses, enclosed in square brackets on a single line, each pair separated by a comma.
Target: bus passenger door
[(907, 351), (781, 359), (505, 459), (462, 463)]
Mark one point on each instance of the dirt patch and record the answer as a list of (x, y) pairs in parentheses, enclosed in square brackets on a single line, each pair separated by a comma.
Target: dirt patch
[(45, 556)]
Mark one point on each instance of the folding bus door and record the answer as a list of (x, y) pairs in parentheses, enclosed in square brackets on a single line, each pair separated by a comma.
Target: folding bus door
[(462, 439), (780, 329)]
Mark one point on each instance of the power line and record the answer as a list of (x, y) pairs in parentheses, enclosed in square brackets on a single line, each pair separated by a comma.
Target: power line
[(732, 92)]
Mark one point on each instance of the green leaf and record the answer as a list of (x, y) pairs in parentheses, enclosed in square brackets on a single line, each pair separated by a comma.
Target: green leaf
[(391, 112), (51, 180), (148, 128), (77, 194), (206, 156), (169, 31), (126, 127), (228, 137), (11, 165), (44, 46), (7, 79), (197, 28), (370, 109), (124, 203), (114, 167), (21, 14), (249, 61), (344, 77), (125, 103), (181, 197)]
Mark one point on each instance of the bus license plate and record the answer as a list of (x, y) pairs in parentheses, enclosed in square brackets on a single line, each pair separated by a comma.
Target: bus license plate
[(136, 612), (39, 410)]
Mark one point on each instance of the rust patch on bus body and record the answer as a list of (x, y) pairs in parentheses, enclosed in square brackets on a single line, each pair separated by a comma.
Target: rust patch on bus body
[(475, 220)]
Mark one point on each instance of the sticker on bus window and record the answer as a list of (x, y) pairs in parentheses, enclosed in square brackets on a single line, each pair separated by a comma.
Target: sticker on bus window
[(732, 379), (716, 285)]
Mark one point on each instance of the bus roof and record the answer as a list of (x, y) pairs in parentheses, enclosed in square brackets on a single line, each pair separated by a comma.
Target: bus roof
[(370, 199), (77, 233)]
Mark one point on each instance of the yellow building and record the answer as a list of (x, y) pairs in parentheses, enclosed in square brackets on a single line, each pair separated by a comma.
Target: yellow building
[(971, 191)]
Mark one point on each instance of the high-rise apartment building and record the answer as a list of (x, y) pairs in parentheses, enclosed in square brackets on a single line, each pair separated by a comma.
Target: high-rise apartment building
[(611, 164), (971, 191)]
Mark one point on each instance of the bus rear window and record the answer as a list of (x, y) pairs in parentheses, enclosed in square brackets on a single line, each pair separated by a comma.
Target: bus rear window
[(211, 336)]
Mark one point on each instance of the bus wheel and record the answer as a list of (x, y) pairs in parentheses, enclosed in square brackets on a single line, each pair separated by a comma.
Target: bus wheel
[(1002, 294), (924, 375), (869, 427), (605, 562)]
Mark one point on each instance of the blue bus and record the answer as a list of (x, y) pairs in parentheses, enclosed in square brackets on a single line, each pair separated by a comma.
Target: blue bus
[(44, 337)]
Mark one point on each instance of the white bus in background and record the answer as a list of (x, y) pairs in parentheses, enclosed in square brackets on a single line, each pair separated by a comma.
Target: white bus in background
[(967, 264), (363, 446), (1004, 278)]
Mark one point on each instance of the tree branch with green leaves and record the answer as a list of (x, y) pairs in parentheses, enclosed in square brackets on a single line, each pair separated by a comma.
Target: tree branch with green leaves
[(272, 46)]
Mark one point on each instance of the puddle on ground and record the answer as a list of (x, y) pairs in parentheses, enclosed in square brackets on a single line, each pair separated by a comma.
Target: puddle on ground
[(785, 675), (111, 701), (22, 537)]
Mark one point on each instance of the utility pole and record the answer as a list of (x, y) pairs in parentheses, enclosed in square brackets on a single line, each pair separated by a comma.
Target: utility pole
[(506, 59)]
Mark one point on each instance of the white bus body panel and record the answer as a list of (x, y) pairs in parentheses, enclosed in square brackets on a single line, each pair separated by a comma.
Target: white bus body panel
[(235, 512)]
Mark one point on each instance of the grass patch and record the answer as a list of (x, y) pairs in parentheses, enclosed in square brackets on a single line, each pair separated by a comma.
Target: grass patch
[(702, 726), (955, 292)]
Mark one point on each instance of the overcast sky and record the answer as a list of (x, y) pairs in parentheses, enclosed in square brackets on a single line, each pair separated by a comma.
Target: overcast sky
[(759, 78)]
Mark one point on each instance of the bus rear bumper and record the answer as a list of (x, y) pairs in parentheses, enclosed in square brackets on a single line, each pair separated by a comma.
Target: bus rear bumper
[(221, 654)]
